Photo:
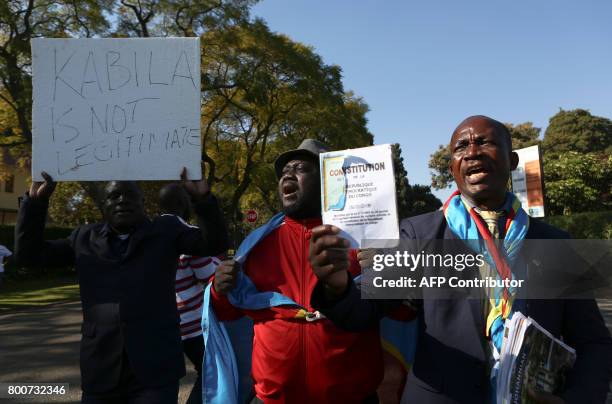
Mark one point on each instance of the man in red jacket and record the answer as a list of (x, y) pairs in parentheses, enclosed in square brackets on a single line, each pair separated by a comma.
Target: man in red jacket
[(300, 360)]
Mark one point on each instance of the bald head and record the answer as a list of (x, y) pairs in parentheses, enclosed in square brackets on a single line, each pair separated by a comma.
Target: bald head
[(483, 119)]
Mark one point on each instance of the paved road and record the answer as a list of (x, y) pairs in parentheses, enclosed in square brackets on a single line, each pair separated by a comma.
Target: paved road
[(42, 345)]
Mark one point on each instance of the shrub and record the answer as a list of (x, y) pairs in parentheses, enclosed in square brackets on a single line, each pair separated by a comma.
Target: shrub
[(588, 225)]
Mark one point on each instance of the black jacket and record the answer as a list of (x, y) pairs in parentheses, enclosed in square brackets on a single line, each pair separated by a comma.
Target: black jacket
[(449, 364), (128, 298)]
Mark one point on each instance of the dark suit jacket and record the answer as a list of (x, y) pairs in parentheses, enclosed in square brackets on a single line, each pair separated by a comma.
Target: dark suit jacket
[(450, 364), (128, 299)]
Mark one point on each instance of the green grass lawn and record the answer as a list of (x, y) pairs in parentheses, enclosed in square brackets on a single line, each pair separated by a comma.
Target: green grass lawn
[(37, 292)]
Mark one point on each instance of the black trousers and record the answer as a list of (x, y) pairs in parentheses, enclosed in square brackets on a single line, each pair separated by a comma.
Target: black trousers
[(194, 350), (131, 391)]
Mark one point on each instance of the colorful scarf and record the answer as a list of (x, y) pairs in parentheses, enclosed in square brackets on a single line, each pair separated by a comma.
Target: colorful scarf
[(466, 224)]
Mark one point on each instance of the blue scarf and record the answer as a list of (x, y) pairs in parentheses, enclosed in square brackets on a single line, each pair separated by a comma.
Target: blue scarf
[(220, 371)]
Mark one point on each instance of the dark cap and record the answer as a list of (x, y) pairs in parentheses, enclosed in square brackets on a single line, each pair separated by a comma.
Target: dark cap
[(309, 148)]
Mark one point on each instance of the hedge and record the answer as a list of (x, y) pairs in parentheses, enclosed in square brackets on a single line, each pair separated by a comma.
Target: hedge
[(589, 225), (7, 238), (7, 234)]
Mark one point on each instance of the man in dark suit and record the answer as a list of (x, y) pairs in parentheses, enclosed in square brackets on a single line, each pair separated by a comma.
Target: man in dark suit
[(452, 361), (131, 346)]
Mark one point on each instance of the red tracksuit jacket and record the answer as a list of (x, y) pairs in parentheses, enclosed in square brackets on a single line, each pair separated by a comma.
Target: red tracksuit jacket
[(295, 361)]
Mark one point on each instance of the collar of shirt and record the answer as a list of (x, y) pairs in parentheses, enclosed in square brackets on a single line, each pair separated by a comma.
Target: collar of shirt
[(503, 212)]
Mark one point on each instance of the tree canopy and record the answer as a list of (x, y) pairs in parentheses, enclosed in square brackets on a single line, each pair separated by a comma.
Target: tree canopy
[(577, 165), (577, 182), (577, 130), (274, 93), (411, 199)]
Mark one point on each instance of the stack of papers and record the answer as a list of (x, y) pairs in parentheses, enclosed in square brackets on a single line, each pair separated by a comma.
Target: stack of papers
[(531, 359)]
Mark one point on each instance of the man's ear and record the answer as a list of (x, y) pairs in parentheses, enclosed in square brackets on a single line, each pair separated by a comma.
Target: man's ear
[(514, 160)]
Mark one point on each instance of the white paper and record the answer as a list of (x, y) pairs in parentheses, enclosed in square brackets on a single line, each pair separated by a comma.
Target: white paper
[(358, 195), (116, 109)]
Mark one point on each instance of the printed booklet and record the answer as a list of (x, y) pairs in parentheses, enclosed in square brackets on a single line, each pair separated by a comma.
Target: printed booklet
[(531, 359)]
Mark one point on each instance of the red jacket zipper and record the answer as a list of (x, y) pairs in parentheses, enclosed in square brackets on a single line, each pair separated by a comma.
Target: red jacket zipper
[(304, 326)]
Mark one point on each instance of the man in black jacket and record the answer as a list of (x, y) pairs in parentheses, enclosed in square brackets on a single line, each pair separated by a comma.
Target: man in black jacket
[(452, 357), (131, 346)]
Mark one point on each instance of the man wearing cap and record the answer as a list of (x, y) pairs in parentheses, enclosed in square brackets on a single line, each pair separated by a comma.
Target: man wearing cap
[(298, 356)]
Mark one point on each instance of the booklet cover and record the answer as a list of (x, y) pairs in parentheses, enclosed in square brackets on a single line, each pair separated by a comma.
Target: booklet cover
[(531, 359), (358, 195)]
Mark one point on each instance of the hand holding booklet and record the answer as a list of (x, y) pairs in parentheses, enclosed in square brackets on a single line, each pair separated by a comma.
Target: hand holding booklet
[(531, 359)]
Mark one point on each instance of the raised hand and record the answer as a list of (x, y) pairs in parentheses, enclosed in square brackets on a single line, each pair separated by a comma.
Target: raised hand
[(196, 189), (329, 258), (42, 190), (225, 276)]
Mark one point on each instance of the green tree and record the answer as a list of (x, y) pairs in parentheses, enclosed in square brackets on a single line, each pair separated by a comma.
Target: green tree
[(72, 206), (439, 161), (577, 182), (275, 93), (577, 148), (411, 199), (421, 200), (577, 130), (402, 187), (524, 135)]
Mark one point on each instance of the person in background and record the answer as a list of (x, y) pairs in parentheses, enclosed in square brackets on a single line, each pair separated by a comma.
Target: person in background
[(192, 273), (131, 345)]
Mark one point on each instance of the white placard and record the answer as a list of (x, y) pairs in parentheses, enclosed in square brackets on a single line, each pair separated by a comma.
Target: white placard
[(116, 109), (527, 181), (358, 195)]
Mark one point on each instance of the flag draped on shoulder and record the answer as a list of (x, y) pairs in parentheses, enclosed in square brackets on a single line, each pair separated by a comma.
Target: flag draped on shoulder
[(220, 373), (223, 377)]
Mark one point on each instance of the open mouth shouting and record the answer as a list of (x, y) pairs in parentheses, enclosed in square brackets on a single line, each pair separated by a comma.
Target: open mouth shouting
[(476, 173), (289, 189)]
